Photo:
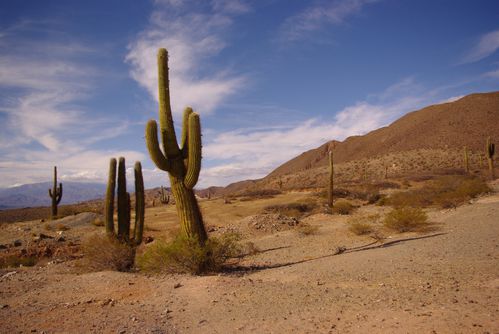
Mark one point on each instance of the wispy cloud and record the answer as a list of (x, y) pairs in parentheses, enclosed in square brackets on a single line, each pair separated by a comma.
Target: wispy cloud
[(317, 16), (192, 34), (252, 153), (44, 122), (486, 46)]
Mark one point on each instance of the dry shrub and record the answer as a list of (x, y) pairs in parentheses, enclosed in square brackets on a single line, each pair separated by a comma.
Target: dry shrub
[(407, 219), (185, 255), (259, 194), (343, 207), (61, 227), (296, 210), (14, 261), (47, 226), (98, 222), (249, 248), (360, 228), (106, 253), (307, 229), (444, 191), (363, 225)]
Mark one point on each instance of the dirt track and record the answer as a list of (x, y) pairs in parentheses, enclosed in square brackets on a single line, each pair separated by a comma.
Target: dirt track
[(446, 283)]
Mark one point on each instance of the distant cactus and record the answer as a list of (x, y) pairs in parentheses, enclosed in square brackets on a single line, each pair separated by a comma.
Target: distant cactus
[(123, 233), (279, 183), (331, 181), (163, 196), (490, 150), (466, 161), (183, 163), (56, 194)]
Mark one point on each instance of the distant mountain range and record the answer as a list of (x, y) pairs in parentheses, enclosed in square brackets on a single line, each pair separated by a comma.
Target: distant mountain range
[(36, 194)]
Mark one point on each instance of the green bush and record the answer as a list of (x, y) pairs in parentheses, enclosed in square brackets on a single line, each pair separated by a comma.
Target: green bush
[(406, 219), (185, 255)]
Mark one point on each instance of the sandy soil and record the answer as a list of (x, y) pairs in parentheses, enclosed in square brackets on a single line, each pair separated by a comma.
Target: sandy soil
[(446, 281)]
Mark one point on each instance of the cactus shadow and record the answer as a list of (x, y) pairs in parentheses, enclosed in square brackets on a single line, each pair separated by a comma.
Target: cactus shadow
[(247, 269)]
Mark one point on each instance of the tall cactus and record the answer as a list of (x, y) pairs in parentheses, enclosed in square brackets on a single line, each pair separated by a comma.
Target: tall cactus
[(490, 150), (56, 194), (331, 181), (123, 233), (466, 161), (182, 163)]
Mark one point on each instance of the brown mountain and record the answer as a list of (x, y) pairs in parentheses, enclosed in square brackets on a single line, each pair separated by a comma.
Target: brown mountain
[(465, 122), (427, 140)]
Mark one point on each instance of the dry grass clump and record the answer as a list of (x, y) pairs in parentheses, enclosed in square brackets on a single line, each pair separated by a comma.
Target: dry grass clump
[(61, 227), (259, 194), (104, 253), (98, 222), (407, 219), (296, 210), (307, 229), (185, 255), (343, 207), (14, 261), (363, 225), (445, 191)]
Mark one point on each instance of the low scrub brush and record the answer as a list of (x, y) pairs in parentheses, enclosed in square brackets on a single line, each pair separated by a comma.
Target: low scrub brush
[(407, 219), (186, 255)]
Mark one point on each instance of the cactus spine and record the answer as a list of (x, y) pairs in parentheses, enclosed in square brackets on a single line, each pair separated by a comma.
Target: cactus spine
[(466, 161), (56, 194), (490, 149), (123, 233), (182, 163), (331, 181)]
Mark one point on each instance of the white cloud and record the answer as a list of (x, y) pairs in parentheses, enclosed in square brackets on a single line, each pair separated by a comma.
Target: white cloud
[(191, 37), (43, 123), (488, 44), (317, 16), (253, 153), (492, 74)]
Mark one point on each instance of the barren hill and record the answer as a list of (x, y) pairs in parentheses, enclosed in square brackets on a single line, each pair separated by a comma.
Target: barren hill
[(465, 122)]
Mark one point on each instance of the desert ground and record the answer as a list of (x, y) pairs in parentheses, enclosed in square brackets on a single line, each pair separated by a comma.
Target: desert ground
[(326, 280)]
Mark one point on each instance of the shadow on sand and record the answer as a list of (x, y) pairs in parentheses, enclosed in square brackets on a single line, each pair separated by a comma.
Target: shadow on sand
[(242, 269)]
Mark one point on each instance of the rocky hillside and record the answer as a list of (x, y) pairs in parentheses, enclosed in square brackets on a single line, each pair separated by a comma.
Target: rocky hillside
[(465, 122)]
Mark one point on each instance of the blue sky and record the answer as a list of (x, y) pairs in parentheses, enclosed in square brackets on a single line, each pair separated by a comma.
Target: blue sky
[(270, 79)]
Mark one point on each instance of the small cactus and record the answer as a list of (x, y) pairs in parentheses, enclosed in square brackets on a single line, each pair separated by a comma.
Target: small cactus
[(466, 161), (163, 196), (123, 233), (331, 181), (56, 194), (490, 150)]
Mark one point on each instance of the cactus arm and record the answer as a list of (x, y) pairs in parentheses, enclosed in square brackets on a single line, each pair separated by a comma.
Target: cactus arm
[(194, 151), (185, 132), (50, 193), (153, 147), (122, 201), (139, 204), (109, 204), (59, 194), (165, 112)]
